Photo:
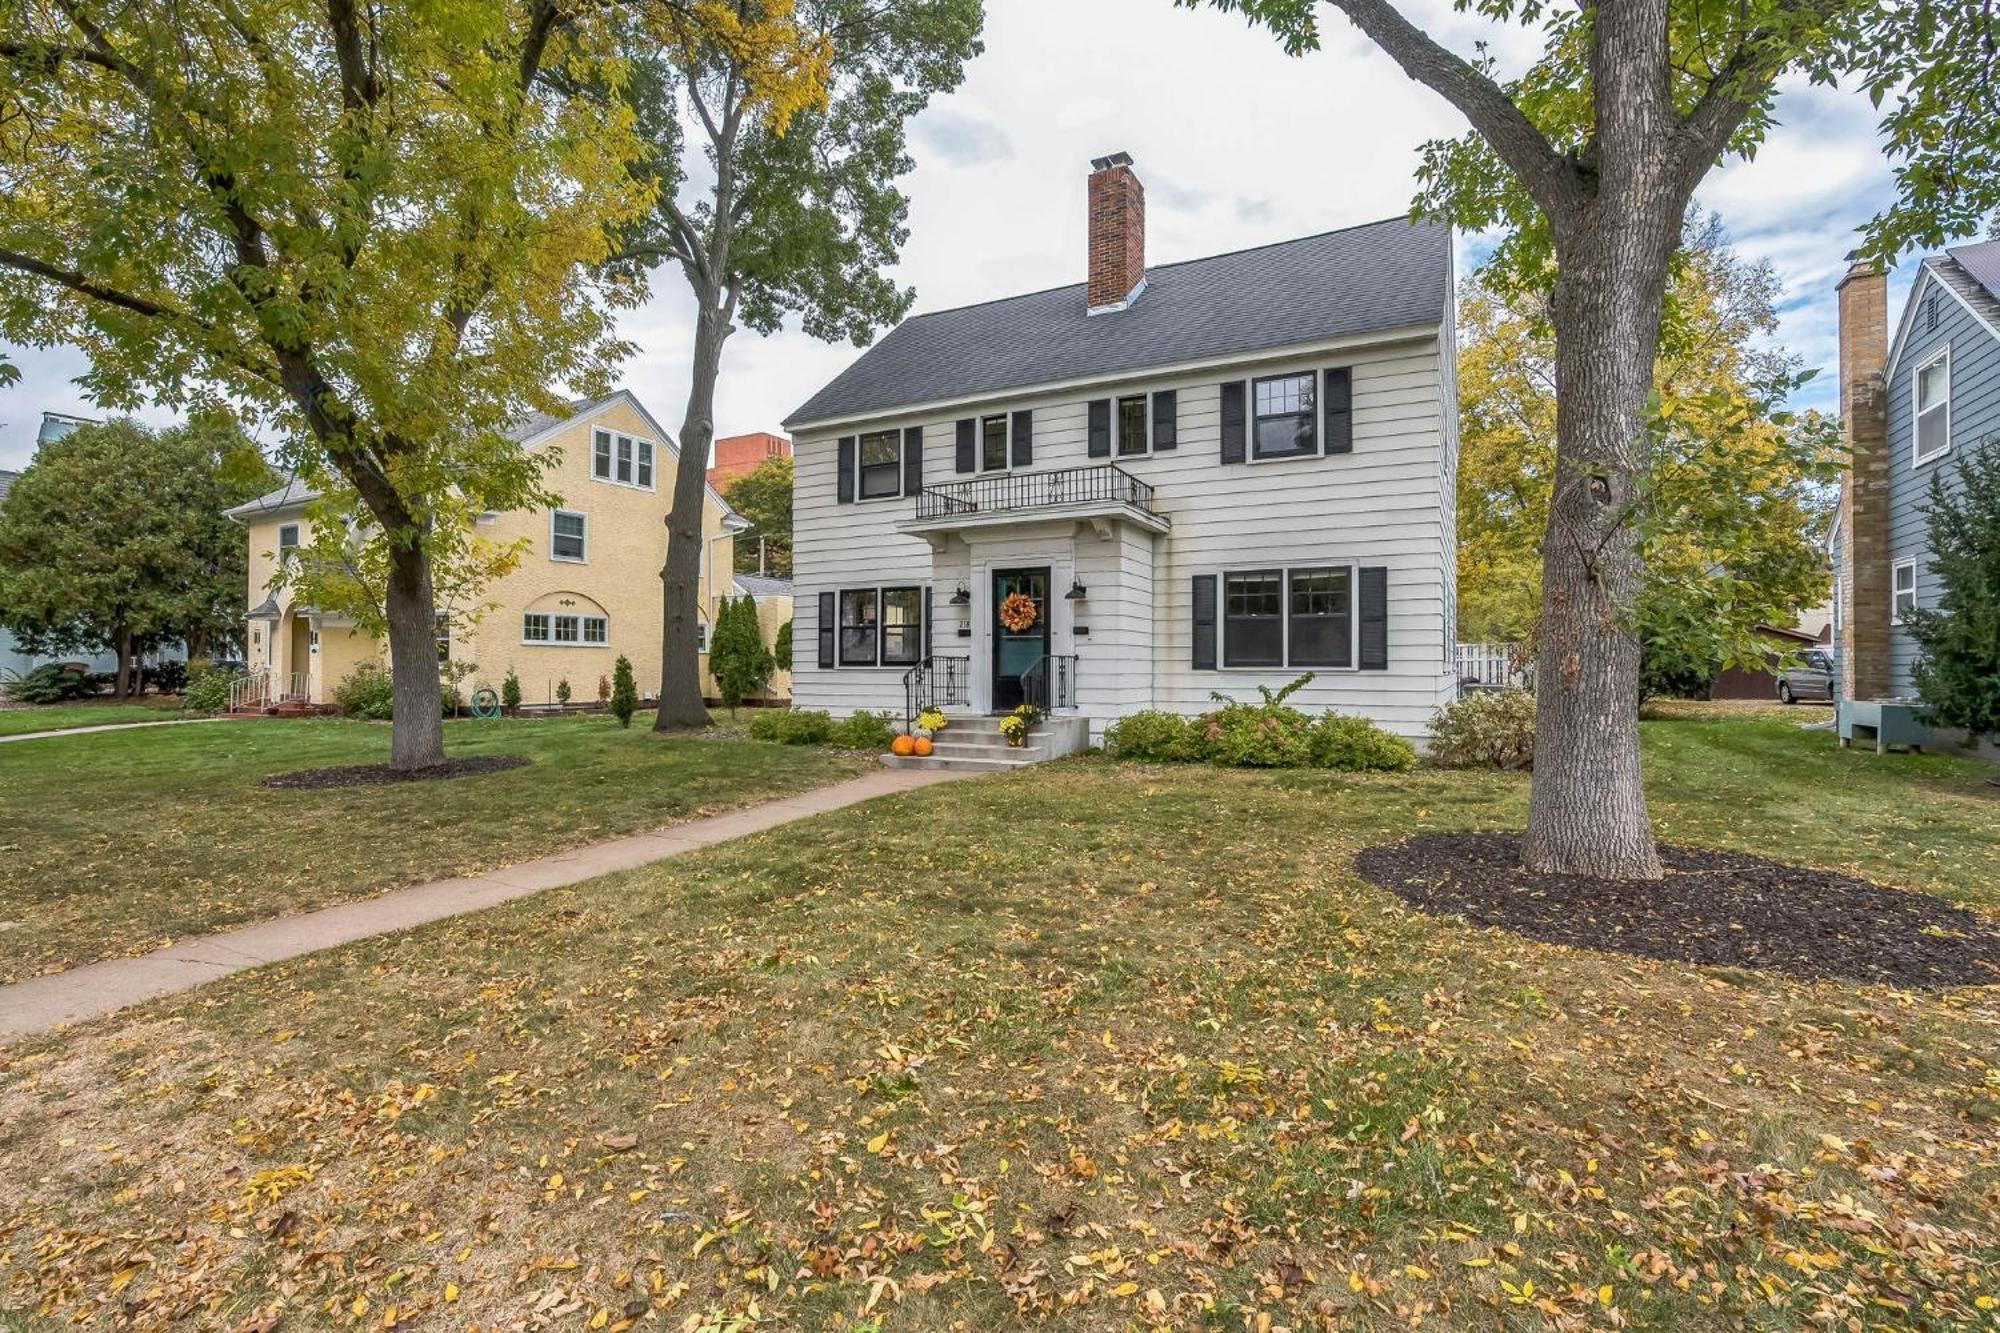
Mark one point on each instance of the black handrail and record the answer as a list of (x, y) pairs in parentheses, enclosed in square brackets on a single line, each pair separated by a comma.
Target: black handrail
[(1004, 491), (1051, 682), (936, 682)]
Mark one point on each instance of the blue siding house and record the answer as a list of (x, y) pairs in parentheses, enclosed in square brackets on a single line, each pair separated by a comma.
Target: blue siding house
[(1912, 409)]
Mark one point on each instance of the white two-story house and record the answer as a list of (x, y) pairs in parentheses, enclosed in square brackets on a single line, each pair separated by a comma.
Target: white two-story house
[(1140, 489)]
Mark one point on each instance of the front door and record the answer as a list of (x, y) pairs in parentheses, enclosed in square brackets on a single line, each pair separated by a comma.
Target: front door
[(1017, 648)]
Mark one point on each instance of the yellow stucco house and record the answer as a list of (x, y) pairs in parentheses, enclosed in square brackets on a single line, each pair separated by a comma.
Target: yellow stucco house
[(586, 590)]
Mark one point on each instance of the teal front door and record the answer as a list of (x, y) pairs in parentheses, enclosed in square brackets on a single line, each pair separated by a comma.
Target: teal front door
[(1015, 651)]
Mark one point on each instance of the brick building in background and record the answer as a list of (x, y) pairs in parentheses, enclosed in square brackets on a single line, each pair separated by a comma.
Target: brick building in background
[(739, 455)]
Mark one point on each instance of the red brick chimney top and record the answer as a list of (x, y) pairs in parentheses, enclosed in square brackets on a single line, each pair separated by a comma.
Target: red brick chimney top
[(1117, 233)]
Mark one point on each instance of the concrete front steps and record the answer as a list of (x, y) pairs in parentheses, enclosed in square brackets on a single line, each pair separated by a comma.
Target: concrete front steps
[(972, 743)]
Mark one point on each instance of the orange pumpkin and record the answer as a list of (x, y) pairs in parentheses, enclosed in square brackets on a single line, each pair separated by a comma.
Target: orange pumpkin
[(924, 747), (902, 745)]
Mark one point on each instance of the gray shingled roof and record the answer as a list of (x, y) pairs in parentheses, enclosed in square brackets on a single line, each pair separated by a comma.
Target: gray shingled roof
[(761, 586), (1982, 262), (1366, 279), (1962, 278)]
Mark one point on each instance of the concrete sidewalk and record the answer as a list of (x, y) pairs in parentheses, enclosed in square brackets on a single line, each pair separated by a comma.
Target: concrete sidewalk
[(105, 726), (42, 1003)]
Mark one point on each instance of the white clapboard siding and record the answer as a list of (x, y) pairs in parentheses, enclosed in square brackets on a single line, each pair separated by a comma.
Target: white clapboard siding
[(1387, 503)]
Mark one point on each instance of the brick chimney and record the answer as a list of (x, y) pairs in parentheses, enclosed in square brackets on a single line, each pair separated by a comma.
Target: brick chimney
[(1864, 487), (1117, 233)]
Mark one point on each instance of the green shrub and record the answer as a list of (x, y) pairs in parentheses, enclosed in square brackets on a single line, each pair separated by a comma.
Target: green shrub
[(50, 683), (863, 731), (510, 691), (624, 691), (562, 691), (367, 692), (1254, 736), (792, 726), (781, 652), (1356, 745), (1486, 729), (1155, 737), (168, 677), (207, 688)]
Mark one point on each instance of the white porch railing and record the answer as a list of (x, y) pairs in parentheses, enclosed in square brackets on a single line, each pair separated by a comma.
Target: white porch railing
[(1490, 665), (262, 687)]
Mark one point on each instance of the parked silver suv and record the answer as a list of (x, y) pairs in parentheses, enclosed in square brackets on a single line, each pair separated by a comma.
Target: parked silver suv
[(1811, 679)]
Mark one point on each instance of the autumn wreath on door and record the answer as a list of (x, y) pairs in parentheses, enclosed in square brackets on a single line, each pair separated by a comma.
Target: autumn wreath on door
[(1017, 612)]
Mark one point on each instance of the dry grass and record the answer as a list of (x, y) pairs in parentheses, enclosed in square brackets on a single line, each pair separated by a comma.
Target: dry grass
[(1089, 1047)]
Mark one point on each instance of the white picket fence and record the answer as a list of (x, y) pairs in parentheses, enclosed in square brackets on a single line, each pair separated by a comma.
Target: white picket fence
[(1490, 665)]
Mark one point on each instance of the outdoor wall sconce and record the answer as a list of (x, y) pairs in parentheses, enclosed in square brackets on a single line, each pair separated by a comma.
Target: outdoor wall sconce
[(1077, 592), (961, 597)]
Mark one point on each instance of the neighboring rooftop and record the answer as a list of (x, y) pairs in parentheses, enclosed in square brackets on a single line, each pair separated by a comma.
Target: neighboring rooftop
[(761, 586), (1359, 280), (1982, 263), (7, 480)]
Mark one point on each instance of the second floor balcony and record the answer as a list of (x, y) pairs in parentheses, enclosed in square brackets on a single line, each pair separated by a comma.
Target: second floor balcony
[(1101, 491)]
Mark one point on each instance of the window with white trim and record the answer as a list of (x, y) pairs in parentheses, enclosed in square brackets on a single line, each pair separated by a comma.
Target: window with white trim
[(567, 536), (993, 443), (1132, 425), (596, 629), (701, 636), (1930, 394), (859, 624), (1253, 618), (880, 626), (1284, 416), (624, 459), (288, 541), (1903, 595), (535, 627), (902, 626), (1289, 617), (881, 464), (568, 629)]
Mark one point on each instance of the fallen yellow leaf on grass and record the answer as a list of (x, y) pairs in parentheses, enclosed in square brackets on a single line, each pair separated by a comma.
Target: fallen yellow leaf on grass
[(450, 1292)]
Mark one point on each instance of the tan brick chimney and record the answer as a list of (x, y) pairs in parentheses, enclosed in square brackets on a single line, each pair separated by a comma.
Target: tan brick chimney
[(1117, 233), (1864, 488)]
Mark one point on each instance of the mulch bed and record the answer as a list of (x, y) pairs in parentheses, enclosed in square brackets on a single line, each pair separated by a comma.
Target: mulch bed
[(377, 775), (1718, 908)]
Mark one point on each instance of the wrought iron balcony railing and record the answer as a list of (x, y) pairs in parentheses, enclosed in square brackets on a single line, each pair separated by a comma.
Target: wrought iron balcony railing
[(1006, 492)]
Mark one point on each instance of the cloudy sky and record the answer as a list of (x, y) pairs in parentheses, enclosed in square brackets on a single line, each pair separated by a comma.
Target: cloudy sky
[(1238, 145)]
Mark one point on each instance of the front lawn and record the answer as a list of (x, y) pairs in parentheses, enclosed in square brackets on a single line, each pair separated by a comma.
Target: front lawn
[(1086, 1046), (64, 717), (118, 842)]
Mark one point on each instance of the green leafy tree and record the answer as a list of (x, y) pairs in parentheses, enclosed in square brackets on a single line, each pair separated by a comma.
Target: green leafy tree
[(1737, 489), (1958, 671), (781, 651), (114, 539), (797, 211), (624, 691), (764, 496), (1586, 162), (737, 657), (380, 229), (510, 691)]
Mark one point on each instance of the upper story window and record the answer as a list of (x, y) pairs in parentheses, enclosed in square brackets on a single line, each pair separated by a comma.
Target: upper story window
[(1931, 390), (881, 465), (993, 444), (288, 540), (1283, 414), (624, 459), (567, 536), (1132, 425)]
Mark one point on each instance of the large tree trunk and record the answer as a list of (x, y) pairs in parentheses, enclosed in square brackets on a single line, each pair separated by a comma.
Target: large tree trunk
[(416, 737), (121, 686), (681, 703), (1588, 809)]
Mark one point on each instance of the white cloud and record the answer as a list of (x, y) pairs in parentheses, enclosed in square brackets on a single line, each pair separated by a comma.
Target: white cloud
[(1238, 144)]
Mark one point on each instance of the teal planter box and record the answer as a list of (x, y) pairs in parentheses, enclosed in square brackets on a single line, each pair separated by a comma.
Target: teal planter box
[(1887, 722)]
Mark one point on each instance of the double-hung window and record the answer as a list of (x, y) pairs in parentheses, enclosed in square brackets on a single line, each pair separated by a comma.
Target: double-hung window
[(566, 536), (1253, 618), (1319, 630), (902, 626), (859, 623), (1283, 416), (624, 459), (1931, 391), (600, 455), (993, 444), (1903, 597), (288, 541), (881, 465), (1132, 425)]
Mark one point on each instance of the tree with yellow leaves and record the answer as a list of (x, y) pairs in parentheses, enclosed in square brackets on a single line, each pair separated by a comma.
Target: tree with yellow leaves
[(1734, 495), (777, 133)]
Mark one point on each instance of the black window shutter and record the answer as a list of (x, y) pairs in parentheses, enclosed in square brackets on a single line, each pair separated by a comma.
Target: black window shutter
[(1339, 410), (1374, 618), (967, 430), (927, 622), (1024, 439), (913, 459), (846, 492), (1100, 428), (1166, 420), (1204, 622), (826, 628), (1232, 422)]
